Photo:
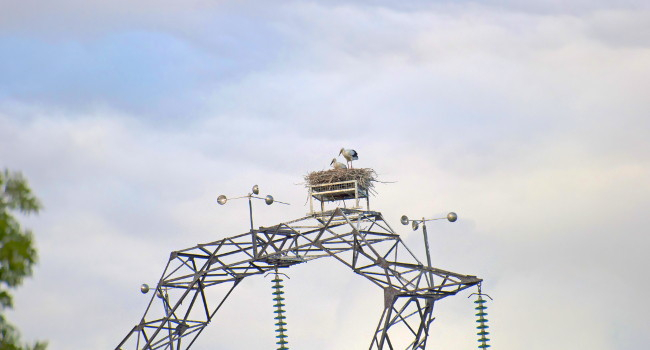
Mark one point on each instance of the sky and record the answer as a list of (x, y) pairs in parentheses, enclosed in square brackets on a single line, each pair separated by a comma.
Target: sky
[(528, 119)]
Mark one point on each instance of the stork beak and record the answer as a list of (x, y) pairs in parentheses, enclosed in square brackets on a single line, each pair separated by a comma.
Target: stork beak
[(341, 151)]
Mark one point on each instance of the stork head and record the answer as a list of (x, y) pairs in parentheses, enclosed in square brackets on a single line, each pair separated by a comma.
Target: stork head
[(333, 160), (341, 151)]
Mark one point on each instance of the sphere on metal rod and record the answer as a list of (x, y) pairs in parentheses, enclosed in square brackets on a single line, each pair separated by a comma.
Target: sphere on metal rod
[(269, 200), (256, 189), (415, 225), (404, 220), (452, 217), (144, 288), (222, 199)]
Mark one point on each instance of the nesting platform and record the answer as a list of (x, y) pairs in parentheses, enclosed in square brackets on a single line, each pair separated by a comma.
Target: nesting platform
[(340, 185)]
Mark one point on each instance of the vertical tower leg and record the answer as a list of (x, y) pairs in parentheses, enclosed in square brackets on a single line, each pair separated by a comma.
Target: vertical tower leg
[(404, 323)]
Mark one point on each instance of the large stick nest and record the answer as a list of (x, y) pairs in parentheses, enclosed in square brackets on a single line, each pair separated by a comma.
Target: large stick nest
[(365, 177)]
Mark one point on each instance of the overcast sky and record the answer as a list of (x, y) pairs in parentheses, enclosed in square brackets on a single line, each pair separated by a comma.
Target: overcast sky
[(528, 119)]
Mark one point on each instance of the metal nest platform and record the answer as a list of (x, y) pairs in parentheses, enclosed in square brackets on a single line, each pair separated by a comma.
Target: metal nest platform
[(340, 185), (338, 191)]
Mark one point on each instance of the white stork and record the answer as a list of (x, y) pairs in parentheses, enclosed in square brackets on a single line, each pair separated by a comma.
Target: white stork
[(338, 165), (349, 155)]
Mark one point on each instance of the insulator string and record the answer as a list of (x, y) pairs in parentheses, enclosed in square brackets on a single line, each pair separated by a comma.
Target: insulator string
[(482, 322), (279, 317)]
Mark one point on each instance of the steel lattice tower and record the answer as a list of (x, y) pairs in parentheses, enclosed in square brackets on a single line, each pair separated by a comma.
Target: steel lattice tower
[(197, 281)]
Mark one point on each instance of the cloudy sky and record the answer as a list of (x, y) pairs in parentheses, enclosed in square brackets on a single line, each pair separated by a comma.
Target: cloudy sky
[(529, 119)]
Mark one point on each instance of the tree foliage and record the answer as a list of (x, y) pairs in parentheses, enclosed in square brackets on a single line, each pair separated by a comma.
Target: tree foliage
[(17, 252)]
